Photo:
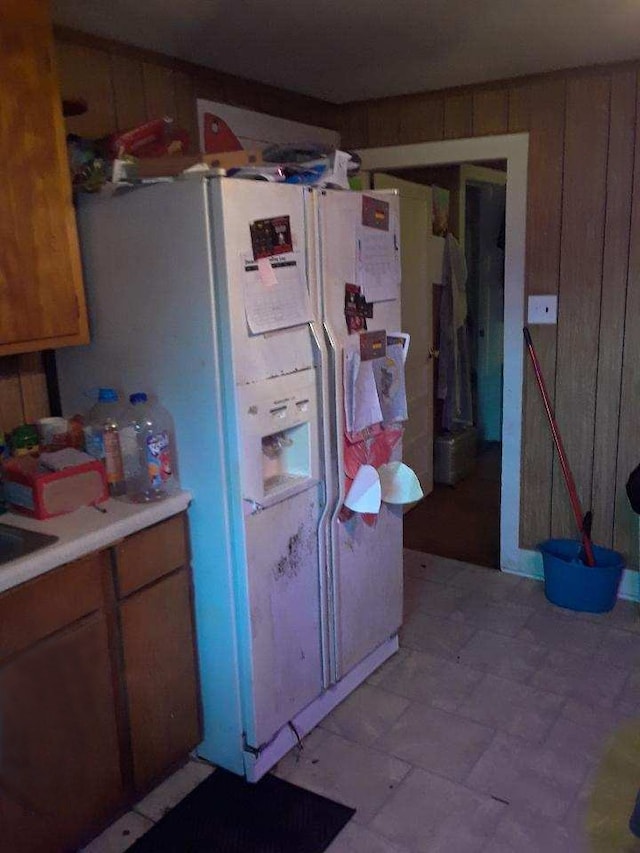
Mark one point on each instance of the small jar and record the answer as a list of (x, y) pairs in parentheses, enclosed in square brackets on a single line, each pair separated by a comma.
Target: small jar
[(24, 441)]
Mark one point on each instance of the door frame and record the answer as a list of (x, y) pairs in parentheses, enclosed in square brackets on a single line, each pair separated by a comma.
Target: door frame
[(514, 148)]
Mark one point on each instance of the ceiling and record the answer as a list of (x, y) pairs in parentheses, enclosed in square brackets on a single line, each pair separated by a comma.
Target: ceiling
[(345, 51)]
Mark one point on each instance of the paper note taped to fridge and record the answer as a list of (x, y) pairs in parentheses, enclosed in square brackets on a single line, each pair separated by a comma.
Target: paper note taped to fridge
[(276, 298), (377, 264), (389, 378), (361, 403), (374, 390)]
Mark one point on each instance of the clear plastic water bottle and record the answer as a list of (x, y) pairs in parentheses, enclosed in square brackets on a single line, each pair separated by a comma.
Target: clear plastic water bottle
[(102, 439), (149, 461)]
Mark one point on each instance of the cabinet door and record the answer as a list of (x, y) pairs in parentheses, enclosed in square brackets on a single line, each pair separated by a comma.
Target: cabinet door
[(41, 295), (160, 676), (23, 830), (59, 751)]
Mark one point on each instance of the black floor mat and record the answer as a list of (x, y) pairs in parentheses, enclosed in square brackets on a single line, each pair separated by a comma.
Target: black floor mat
[(225, 814)]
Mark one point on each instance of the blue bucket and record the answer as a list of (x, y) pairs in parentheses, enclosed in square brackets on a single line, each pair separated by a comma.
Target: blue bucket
[(569, 582)]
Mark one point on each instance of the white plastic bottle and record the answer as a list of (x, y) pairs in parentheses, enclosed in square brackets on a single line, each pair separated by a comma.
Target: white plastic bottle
[(150, 475), (102, 440)]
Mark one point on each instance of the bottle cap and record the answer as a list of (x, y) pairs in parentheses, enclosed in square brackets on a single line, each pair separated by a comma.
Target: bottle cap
[(138, 397), (107, 395)]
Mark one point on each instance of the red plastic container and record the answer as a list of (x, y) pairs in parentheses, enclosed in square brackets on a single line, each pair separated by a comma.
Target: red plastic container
[(45, 494)]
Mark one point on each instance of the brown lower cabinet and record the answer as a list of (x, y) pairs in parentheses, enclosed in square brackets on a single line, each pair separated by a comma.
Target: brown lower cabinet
[(99, 695), (159, 668)]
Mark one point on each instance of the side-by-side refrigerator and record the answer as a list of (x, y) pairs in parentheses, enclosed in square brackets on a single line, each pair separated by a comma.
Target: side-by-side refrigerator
[(226, 299)]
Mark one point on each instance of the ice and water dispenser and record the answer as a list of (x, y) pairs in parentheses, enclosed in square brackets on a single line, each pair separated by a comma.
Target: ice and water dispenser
[(279, 434)]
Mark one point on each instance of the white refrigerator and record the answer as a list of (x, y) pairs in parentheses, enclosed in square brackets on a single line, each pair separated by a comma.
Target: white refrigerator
[(294, 608)]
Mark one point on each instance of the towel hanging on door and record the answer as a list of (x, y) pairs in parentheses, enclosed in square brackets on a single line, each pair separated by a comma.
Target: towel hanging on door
[(454, 366)]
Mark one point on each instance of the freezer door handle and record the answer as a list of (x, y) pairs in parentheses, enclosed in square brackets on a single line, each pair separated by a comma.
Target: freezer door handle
[(325, 517), (335, 485)]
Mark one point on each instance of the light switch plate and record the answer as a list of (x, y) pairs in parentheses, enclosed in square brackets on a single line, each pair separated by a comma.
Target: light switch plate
[(542, 309)]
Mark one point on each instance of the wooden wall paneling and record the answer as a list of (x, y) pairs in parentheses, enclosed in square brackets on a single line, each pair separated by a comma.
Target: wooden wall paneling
[(354, 125), (85, 72), (271, 102), (544, 206), (546, 158), (23, 390), (422, 119), (186, 112), (128, 92), (159, 91), (11, 414), (519, 108), (242, 93), (458, 116), (612, 310), (296, 107), (383, 123), (209, 83), (490, 112), (583, 216), (33, 387), (209, 87), (625, 538), (325, 115)]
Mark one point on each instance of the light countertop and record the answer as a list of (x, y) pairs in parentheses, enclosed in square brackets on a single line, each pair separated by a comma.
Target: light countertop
[(82, 532)]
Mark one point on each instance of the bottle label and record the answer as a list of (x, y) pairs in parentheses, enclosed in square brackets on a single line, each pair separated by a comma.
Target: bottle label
[(158, 459), (113, 457), (93, 443)]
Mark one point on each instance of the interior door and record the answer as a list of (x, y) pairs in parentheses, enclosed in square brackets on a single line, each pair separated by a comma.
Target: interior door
[(417, 309)]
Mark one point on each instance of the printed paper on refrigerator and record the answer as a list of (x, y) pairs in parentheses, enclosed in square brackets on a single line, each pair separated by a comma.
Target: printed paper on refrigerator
[(378, 264), (276, 298), (361, 403), (390, 383)]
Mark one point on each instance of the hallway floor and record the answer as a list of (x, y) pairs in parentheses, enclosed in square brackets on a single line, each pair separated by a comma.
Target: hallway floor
[(484, 733), (461, 522)]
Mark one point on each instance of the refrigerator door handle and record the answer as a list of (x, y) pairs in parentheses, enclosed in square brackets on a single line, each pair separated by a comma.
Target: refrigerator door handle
[(335, 494), (325, 579), (324, 561)]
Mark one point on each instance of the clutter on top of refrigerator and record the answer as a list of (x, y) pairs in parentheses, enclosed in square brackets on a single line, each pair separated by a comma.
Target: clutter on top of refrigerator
[(157, 150)]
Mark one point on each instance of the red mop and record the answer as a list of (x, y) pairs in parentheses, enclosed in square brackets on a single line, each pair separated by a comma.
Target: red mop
[(583, 521)]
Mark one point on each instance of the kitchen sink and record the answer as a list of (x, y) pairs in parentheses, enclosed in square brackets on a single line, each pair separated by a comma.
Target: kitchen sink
[(15, 542)]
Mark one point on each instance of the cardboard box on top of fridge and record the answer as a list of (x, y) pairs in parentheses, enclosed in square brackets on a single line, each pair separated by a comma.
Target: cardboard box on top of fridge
[(174, 165)]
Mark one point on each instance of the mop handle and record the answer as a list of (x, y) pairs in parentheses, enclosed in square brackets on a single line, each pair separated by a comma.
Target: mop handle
[(564, 464)]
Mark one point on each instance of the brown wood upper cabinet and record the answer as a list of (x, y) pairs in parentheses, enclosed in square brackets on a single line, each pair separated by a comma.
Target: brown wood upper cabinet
[(42, 302)]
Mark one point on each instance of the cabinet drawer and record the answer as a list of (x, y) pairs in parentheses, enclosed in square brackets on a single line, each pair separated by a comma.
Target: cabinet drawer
[(150, 554), (35, 609)]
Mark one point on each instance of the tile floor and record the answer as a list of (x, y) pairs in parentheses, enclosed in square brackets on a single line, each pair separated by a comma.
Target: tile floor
[(482, 734)]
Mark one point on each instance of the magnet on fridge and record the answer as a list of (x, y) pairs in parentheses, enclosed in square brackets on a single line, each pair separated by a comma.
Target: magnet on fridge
[(399, 484), (365, 493)]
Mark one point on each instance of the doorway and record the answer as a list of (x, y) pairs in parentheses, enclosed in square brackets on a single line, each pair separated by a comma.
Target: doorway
[(513, 150), (454, 216)]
